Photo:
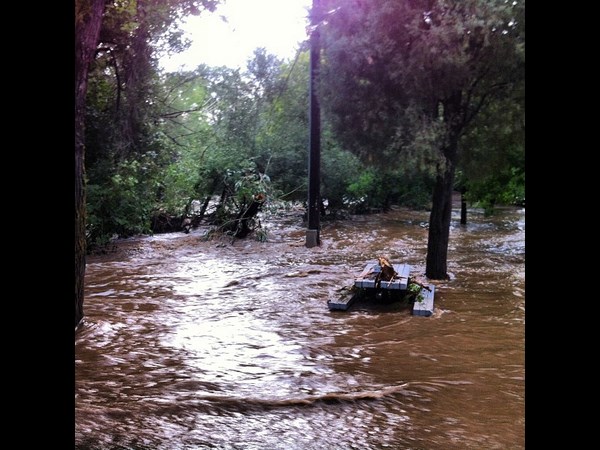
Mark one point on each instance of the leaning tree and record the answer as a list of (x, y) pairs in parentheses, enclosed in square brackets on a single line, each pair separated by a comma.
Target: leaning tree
[(404, 80)]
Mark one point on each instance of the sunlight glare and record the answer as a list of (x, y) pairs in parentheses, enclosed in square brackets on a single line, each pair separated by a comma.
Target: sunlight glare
[(279, 26)]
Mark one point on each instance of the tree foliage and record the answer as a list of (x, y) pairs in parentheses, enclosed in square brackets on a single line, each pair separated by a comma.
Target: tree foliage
[(400, 75), (405, 81), (411, 91), (492, 163), (126, 149)]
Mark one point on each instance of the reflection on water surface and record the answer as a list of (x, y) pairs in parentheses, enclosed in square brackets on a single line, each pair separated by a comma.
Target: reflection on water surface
[(189, 344)]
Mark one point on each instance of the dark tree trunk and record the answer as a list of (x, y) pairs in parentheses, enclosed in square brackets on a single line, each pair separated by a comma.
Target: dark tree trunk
[(204, 207), (88, 19), (207, 200), (246, 215), (463, 208), (439, 226), (441, 208)]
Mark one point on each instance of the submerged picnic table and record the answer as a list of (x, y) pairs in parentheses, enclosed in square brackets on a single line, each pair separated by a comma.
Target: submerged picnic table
[(367, 283)]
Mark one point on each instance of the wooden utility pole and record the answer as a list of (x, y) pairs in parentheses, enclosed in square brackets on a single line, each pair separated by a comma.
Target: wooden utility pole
[(314, 159)]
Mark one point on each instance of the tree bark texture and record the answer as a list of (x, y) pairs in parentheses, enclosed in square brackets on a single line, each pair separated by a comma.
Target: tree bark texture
[(441, 208), (88, 19), (439, 226)]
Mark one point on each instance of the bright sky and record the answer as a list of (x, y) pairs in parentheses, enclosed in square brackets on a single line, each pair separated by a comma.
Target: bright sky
[(277, 25)]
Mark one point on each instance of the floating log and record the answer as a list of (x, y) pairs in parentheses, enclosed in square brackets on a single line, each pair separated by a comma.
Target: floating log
[(368, 277)]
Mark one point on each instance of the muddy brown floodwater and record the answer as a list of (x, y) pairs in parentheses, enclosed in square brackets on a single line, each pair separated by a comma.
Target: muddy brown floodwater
[(195, 344)]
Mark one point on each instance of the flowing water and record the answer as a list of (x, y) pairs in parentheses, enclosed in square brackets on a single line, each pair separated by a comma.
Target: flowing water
[(196, 344)]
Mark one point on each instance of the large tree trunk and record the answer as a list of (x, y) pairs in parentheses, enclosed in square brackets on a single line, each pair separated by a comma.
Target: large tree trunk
[(88, 19), (441, 208), (439, 226)]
